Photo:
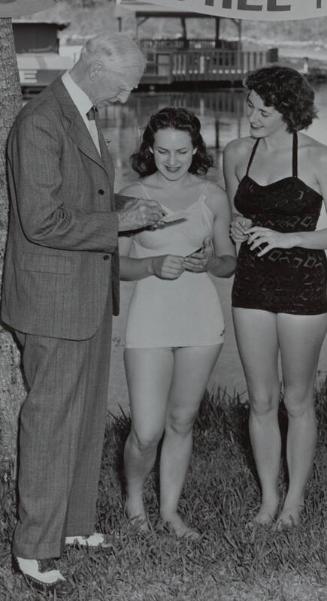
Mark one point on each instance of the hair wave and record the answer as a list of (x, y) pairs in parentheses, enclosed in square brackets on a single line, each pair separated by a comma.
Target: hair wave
[(288, 92), (175, 118)]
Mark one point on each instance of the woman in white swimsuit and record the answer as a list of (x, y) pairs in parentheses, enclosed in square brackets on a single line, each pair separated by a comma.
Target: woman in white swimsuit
[(175, 323)]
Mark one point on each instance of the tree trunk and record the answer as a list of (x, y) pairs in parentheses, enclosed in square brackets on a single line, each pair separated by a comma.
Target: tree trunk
[(11, 385)]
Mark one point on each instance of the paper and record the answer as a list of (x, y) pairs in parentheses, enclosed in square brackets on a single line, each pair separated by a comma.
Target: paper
[(174, 216)]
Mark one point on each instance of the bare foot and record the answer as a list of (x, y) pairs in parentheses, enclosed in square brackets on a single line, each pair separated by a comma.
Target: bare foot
[(135, 512), (289, 517), (175, 522), (266, 514), (139, 523)]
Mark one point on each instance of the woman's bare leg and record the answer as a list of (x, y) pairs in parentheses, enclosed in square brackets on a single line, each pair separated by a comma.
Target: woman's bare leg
[(192, 367), (149, 374), (300, 339), (256, 334)]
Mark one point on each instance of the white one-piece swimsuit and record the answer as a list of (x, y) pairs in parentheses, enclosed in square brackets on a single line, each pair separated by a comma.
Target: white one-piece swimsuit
[(182, 312)]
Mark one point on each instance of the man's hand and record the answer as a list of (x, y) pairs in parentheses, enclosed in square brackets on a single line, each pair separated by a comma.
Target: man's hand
[(239, 228), (139, 213), (167, 267)]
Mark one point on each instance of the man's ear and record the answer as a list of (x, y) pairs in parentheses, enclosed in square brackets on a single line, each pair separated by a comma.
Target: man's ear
[(96, 69)]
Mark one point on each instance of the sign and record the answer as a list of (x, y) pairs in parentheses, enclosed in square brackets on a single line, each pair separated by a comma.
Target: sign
[(259, 10), (22, 8)]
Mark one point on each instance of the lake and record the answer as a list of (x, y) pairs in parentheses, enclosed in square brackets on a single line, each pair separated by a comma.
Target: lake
[(222, 117)]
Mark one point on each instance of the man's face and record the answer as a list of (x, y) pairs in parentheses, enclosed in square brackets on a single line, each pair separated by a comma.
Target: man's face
[(116, 82)]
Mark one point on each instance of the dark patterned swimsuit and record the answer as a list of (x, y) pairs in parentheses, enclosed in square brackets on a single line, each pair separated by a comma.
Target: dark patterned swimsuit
[(284, 280)]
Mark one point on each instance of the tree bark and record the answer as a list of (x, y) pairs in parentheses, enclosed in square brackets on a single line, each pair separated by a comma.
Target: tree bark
[(12, 390)]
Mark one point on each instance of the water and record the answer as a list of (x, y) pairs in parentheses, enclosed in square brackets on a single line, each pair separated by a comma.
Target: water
[(222, 118)]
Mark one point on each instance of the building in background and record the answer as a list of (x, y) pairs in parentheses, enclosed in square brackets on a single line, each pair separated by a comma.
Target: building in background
[(183, 59), (44, 49), (37, 46)]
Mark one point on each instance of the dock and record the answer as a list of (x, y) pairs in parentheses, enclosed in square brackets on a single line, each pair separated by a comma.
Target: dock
[(185, 60), (175, 66), (174, 63)]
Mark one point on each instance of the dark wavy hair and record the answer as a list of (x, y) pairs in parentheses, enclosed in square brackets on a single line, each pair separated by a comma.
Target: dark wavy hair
[(174, 118), (287, 91)]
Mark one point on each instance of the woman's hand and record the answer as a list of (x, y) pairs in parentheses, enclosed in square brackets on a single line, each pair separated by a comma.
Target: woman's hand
[(269, 239), (167, 267), (239, 228), (199, 260)]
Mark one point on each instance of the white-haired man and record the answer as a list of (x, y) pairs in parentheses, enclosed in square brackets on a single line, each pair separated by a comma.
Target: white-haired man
[(60, 288)]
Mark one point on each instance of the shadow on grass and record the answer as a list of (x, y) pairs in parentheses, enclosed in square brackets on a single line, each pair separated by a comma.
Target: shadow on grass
[(232, 561)]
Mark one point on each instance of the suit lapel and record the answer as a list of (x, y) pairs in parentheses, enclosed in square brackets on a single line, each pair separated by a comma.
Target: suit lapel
[(78, 131), (81, 136), (106, 157)]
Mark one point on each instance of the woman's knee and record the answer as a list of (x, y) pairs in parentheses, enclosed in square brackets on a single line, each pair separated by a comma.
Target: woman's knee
[(298, 401), (145, 440), (181, 424), (264, 401)]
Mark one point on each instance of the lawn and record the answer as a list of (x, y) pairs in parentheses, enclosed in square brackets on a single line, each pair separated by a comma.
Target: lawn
[(232, 562)]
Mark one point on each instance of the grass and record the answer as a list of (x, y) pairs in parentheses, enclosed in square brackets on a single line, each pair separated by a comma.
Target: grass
[(232, 561)]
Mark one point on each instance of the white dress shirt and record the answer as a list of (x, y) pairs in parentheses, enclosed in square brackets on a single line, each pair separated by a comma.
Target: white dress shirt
[(83, 105)]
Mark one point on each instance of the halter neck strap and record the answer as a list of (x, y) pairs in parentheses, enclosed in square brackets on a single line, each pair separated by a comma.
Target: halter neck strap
[(255, 146), (294, 155)]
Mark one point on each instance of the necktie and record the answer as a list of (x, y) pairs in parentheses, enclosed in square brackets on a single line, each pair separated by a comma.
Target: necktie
[(92, 116), (91, 113)]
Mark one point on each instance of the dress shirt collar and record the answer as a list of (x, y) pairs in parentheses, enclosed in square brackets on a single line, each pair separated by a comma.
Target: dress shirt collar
[(78, 96)]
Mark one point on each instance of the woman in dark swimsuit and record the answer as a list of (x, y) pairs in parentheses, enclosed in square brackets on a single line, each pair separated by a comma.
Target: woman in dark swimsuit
[(277, 179)]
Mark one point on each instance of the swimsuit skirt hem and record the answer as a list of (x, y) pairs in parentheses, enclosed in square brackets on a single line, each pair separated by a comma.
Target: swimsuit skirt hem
[(281, 309), (163, 346)]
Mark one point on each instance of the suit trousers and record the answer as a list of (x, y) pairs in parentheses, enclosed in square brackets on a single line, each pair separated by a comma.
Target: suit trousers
[(61, 436)]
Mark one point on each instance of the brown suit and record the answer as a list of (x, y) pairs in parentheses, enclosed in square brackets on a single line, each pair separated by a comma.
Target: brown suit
[(61, 223), (60, 282)]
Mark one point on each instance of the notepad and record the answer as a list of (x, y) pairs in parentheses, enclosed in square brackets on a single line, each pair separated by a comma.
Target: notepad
[(174, 216)]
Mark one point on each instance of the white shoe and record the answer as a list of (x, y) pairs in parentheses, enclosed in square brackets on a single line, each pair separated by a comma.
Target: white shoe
[(94, 541), (42, 575)]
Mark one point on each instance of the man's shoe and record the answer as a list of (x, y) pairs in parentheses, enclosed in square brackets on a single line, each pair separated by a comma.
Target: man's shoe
[(94, 541), (42, 575)]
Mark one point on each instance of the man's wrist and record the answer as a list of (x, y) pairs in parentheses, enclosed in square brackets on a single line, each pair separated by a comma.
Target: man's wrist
[(150, 266), (123, 221)]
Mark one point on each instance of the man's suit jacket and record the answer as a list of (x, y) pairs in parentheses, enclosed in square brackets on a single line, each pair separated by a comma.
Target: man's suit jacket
[(61, 259)]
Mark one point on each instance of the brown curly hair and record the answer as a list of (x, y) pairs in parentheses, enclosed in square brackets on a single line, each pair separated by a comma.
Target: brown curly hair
[(174, 118), (288, 92)]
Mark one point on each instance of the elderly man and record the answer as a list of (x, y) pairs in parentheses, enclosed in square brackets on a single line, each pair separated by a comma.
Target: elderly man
[(60, 288)]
